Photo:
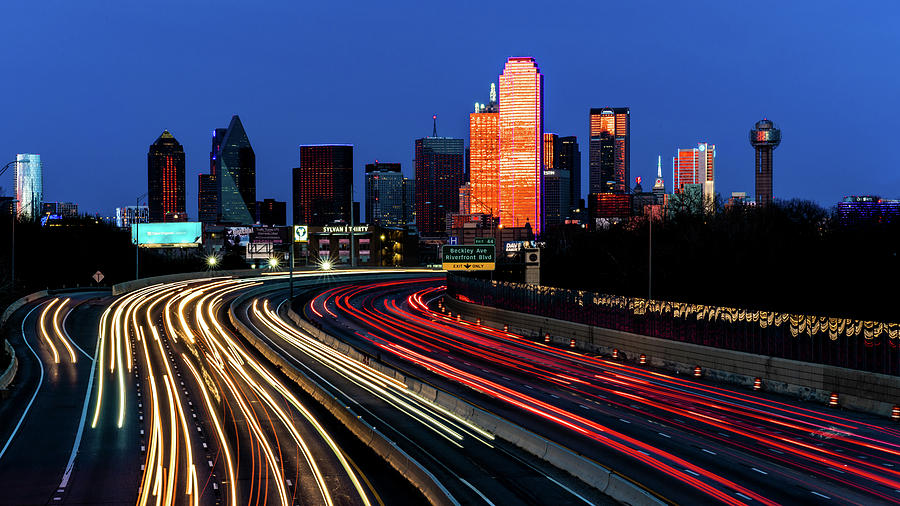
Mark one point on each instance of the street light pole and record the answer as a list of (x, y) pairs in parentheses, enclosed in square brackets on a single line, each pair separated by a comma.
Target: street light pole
[(15, 217), (650, 261)]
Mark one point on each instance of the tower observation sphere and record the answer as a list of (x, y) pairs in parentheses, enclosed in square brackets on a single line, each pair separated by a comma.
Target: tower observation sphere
[(764, 139)]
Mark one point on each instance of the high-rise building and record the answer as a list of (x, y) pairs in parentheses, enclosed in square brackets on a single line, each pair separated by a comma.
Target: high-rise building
[(610, 150), (484, 156), (165, 179), (521, 143), (570, 159), (207, 196), (465, 199), (384, 195), (271, 212), (440, 171), (323, 184), (29, 186), (551, 150), (556, 196), (409, 201), (764, 138), (235, 176), (695, 166)]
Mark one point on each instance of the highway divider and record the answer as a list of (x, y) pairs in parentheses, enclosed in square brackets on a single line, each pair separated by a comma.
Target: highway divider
[(10, 372), (406, 465), (135, 284), (600, 477)]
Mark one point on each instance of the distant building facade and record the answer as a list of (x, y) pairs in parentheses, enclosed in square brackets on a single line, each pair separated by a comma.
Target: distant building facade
[(440, 171), (384, 195), (271, 212), (63, 209), (129, 215), (610, 150), (521, 144), (208, 190), (165, 180), (867, 210), (695, 166), (484, 156), (29, 186), (322, 184), (569, 158)]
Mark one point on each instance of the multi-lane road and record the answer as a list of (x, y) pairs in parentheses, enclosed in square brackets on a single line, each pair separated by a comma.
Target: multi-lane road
[(156, 397)]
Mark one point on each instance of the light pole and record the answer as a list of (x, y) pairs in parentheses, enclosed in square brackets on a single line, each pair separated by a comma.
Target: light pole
[(137, 236), (15, 216), (650, 259)]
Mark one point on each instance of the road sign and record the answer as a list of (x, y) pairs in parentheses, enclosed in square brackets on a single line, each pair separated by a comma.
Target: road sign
[(98, 276), (453, 240), (468, 258), (484, 241), (301, 233)]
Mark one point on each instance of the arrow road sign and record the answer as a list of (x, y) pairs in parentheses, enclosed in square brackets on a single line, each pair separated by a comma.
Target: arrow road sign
[(98, 276)]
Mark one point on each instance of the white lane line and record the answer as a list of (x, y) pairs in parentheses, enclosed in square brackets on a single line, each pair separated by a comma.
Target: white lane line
[(36, 390), (838, 470), (818, 494), (569, 490), (289, 483), (664, 435), (742, 496), (760, 471), (554, 396), (84, 409), (70, 337), (624, 420), (776, 451), (477, 492), (709, 452), (692, 472)]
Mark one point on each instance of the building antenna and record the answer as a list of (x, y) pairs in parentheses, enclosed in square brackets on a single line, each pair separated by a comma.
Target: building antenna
[(493, 94), (659, 166), (434, 129)]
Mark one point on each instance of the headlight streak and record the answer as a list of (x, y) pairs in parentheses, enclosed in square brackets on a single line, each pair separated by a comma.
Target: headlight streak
[(576, 370), (60, 334), (44, 334)]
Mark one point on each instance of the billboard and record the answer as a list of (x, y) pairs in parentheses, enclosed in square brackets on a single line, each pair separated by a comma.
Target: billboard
[(269, 235), (167, 235), (237, 236)]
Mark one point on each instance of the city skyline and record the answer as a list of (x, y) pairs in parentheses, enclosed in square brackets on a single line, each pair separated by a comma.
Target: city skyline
[(122, 112)]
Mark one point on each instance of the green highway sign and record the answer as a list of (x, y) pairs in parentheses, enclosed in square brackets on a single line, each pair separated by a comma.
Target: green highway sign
[(468, 258), (484, 241)]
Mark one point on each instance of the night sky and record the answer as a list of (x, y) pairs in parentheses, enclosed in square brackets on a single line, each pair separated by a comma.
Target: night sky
[(90, 85)]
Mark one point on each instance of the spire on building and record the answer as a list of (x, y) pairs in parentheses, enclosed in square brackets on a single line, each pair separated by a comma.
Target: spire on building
[(493, 93), (659, 167), (434, 129), (659, 187)]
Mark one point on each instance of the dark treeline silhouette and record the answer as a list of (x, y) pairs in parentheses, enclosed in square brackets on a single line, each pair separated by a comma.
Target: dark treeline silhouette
[(67, 256), (792, 256)]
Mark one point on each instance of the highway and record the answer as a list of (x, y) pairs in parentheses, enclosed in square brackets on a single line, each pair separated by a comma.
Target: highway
[(689, 440)]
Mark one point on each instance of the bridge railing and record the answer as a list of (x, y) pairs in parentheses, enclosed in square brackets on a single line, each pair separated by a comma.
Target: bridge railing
[(856, 344)]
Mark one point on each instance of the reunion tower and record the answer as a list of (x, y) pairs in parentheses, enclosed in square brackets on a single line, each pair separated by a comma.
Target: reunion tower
[(764, 138)]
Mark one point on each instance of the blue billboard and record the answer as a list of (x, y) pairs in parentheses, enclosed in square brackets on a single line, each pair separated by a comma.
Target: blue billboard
[(167, 235)]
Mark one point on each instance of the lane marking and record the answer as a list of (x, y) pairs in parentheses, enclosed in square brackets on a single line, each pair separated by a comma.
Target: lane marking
[(624, 420), (664, 435), (760, 471), (477, 491), (692, 472), (709, 452), (36, 390), (70, 337), (818, 494), (742, 496)]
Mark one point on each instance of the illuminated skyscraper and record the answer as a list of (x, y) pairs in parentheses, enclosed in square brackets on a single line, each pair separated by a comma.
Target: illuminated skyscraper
[(236, 176), (322, 184), (165, 180), (207, 195), (521, 143), (384, 195), (695, 166), (29, 186), (440, 171), (570, 159), (610, 150), (551, 151), (764, 138), (484, 156)]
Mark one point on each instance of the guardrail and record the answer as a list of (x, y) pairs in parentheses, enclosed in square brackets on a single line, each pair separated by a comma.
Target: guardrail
[(10, 372), (598, 476), (853, 344)]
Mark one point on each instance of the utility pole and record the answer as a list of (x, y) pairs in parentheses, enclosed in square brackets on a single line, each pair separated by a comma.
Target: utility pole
[(650, 260), (15, 216), (352, 234)]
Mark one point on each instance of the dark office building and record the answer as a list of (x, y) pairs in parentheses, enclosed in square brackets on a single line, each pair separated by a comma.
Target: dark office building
[(271, 212), (610, 150), (384, 195), (235, 166), (165, 180), (556, 196), (764, 138), (569, 158), (440, 171), (409, 201), (323, 183), (207, 195)]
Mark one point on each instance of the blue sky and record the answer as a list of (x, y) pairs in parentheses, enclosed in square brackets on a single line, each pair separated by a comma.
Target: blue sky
[(90, 85)]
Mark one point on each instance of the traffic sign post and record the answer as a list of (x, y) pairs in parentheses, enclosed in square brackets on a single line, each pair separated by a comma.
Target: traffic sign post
[(468, 258)]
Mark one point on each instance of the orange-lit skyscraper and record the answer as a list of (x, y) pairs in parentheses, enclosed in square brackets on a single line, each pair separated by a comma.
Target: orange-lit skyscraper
[(610, 150), (521, 143), (695, 166), (484, 157)]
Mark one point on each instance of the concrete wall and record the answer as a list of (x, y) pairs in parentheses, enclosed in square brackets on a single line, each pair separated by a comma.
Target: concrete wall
[(10, 372), (130, 286), (600, 477), (857, 390)]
